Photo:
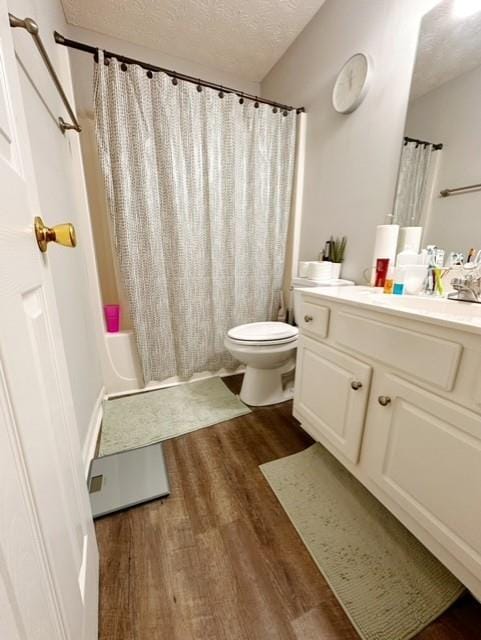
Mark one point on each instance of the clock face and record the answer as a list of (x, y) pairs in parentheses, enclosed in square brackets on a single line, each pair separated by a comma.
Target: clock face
[(351, 84)]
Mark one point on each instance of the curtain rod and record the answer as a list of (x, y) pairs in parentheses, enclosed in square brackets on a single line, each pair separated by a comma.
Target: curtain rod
[(80, 46), (436, 147)]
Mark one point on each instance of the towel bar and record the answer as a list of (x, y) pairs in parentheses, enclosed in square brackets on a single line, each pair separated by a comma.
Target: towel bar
[(32, 27)]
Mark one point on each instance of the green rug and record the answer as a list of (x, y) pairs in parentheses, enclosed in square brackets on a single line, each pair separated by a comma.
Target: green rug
[(145, 418), (388, 583)]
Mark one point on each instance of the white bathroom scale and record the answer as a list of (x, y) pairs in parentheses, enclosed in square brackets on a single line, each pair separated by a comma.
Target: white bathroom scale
[(128, 478)]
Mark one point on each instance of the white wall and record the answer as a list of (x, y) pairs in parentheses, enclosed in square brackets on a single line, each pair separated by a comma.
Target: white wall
[(351, 160), (82, 65), (451, 114), (58, 175), (82, 72)]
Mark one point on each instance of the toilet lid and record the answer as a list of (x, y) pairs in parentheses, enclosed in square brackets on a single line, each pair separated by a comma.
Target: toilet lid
[(263, 332)]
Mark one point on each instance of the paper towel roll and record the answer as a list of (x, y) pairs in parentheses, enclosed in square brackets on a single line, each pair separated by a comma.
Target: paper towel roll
[(385, 245), (410, 238)]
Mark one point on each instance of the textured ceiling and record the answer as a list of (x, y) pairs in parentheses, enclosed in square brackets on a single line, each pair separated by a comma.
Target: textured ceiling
[(448, 47), (243, 37)]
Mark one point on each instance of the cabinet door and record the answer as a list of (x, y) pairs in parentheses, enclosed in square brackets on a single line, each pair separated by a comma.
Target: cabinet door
[(425, 452), (331, 395)]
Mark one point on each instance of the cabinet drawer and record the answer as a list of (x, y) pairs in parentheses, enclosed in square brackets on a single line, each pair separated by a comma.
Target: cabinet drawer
[(331, 395), (314, 319), (425, 452), (424, 357)]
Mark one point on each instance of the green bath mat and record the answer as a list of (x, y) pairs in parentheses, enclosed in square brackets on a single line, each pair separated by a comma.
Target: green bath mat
[(153, 416), (389, 584)]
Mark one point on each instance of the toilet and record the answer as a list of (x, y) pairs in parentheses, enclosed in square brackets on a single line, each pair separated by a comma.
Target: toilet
[(268, 349)]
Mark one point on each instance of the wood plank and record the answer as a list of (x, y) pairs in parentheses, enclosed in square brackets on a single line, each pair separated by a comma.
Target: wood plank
[(219, 559), (327, 621)]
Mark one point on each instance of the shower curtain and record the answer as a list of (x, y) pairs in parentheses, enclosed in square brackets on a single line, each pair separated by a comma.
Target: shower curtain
[(412, 184), (199, 190)]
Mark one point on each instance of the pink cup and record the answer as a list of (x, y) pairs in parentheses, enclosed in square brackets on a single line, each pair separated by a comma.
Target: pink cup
[(112, 317)]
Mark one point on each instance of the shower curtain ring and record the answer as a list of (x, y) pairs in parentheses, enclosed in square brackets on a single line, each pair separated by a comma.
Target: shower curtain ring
[(199, 87), (221, 92)]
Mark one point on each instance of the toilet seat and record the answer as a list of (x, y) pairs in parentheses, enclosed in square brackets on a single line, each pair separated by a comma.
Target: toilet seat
[(263, 334)]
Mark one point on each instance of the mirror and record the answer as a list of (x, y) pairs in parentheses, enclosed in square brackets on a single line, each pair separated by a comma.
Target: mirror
[(439, 183)]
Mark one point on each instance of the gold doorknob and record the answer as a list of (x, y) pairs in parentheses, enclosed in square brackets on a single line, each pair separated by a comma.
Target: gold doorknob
[(63, 234)]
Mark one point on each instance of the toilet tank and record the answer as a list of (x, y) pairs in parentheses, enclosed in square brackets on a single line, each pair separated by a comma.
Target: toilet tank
[(302, 283)]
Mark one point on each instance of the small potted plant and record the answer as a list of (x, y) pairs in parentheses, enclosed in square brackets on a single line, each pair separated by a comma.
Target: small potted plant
[(337, 249)]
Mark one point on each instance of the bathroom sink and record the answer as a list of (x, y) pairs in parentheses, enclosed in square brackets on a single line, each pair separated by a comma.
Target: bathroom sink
[(429, 305), (425, 308)]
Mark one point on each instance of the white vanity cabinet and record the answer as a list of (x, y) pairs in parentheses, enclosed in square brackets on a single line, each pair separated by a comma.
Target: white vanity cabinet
[(332, 391), (395, 395), (425, 453)]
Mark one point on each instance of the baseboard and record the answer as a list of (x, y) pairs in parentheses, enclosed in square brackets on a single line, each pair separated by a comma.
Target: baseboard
[(90, 443)]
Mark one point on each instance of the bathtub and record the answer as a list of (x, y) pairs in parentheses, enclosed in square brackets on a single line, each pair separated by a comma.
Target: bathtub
[(124, 374), (123, 371)]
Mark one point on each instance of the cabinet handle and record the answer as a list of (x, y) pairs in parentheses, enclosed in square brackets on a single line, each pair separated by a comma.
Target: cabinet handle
[(384, 401), (308, 318), (356, 385)]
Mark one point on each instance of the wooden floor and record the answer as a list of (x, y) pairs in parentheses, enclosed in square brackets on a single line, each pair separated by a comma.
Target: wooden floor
[(219, 559)]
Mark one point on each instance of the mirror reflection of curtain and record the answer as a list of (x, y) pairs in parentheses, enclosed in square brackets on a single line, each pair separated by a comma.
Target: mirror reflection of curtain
[(412, 184), (199, 191)]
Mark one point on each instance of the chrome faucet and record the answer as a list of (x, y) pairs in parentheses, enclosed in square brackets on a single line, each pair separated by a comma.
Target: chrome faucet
[(468, 289)]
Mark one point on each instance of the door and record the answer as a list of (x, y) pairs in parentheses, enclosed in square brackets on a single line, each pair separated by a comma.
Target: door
[(331, 394), (48, 553), (425, 453)]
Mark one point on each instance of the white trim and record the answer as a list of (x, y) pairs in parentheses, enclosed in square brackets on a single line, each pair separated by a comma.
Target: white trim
[(88, 449), (298, 192), (295, 219), (173, 382)]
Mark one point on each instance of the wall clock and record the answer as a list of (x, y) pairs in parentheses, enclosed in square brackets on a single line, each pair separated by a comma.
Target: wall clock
[(351, 84)]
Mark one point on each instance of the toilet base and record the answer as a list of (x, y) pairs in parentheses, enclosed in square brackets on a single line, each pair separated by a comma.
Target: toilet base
[(262, 387)]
